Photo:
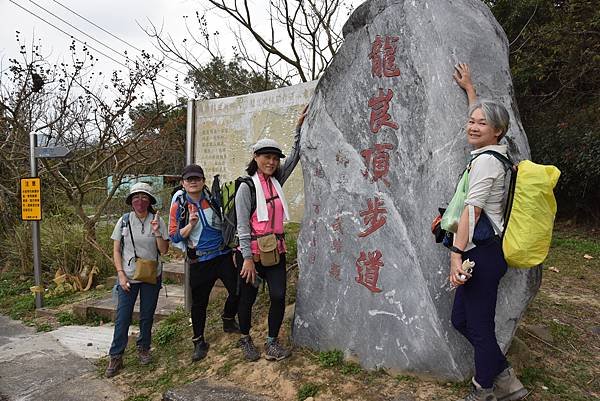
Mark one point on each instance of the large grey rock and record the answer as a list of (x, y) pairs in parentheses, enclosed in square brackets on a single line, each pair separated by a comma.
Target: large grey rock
[(400, 319)]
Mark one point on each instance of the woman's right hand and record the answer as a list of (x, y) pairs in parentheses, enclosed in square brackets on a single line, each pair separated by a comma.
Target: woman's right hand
[(462, 76), (248, 271), (193, 219), (456, 271), (123, 281)]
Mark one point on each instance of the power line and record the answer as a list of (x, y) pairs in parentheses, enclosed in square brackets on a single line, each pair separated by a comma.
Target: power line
[(110, 33), (98, 41), (85, 44)]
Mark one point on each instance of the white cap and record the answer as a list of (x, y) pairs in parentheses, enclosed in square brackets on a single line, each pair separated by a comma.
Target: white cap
[(267, 146), (140, 187)]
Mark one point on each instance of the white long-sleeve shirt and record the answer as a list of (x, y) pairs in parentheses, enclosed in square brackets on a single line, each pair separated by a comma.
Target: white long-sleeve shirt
[(487, 186)]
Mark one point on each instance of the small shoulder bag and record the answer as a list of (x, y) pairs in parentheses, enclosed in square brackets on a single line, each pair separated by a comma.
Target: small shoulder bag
[(145, 269)]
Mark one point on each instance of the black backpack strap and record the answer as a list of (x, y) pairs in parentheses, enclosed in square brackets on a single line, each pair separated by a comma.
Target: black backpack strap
[(131, 236), (183, 211), (214, 205), (248, 181), (124, 223), (508, 166)]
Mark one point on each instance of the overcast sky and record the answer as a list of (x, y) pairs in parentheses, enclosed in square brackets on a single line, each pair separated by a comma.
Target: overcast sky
[(119, 17)]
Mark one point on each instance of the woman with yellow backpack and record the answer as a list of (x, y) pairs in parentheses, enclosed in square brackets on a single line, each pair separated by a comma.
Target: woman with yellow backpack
[(478, 230)]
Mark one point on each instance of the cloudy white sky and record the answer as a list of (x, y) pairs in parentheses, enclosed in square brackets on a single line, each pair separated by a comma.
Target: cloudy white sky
[(119, 17)]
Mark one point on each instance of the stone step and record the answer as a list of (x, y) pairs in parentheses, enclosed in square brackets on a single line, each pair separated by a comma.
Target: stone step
[(169, 299), (173, 273)]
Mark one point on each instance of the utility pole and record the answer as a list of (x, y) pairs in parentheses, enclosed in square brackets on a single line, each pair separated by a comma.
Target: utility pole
[(35, 228)]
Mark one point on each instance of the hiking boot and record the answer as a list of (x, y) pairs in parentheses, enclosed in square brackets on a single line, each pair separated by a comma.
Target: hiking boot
[(230, 325), (200, 349), (275, 351), (144, 356), (507, 387), (250, 352), (480, 394), (114, 365)]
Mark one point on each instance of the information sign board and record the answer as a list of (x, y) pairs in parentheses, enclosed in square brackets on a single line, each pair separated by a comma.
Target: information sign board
[(31, 199)]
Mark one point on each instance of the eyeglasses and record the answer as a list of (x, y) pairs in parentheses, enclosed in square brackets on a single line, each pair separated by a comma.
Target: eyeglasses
[(194, 179)]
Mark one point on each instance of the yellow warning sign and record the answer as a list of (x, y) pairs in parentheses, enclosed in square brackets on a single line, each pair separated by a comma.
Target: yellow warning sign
[(31, 199)]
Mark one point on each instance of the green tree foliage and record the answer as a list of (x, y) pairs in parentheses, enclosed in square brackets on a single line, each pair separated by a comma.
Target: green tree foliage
[(219, 78), (555, 62), (163, 126)]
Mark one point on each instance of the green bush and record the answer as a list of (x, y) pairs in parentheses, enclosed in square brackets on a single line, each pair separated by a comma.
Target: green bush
[(307, 390), (63, 245), (292, 230), (166, 333), (557, 87), (21, 306), (330, 359)]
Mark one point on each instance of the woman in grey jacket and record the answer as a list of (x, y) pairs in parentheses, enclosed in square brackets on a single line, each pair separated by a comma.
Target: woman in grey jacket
[(257, 227)]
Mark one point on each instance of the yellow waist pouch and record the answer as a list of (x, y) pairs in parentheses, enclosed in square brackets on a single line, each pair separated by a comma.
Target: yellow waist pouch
[(269, 254), (145, 270)]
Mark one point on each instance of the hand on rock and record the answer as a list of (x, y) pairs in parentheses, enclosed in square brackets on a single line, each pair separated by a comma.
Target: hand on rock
[(462, 76)]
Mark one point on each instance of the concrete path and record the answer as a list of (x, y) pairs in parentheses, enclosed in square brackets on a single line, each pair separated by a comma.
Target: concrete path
[(43, 366)]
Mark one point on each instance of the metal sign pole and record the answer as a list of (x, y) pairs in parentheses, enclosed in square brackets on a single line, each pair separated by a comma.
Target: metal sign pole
[(35, 230), (189, 159)]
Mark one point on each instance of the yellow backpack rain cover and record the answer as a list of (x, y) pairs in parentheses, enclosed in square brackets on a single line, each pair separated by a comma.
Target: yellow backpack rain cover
[(529, 229)]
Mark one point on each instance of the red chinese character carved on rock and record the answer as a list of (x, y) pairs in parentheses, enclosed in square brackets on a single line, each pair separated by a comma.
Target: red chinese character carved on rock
[(384, 63), (336, 244), (337, 225), (389, 57), (373, 216), (379, 111), (335, 271), (379, 159), (375, 57), (367, 268)]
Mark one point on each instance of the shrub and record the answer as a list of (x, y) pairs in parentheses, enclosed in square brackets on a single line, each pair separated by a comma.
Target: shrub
[(307, 390), (63, 245), (330, 359), (166, 333)]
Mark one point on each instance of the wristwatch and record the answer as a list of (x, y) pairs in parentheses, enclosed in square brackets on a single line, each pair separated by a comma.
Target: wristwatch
[(456, 250)]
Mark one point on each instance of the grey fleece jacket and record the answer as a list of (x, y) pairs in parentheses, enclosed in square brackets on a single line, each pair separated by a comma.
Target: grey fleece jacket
[(243, 202)]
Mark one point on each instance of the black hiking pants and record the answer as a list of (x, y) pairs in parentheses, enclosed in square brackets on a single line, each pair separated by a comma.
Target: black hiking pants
[(276, 278), (203, 276)]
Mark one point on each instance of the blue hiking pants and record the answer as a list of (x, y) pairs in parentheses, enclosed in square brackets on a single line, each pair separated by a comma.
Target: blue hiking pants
[(475, 308), (148, 300)]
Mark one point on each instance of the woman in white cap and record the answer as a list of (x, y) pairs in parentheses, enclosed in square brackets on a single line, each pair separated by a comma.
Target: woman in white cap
[(261, 209), (140, 236)]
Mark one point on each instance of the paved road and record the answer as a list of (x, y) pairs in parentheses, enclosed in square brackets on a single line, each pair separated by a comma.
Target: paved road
[(37, 366)]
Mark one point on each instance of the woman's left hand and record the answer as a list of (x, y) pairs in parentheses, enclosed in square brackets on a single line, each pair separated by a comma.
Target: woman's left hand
[(155, 225), (302, 116)]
